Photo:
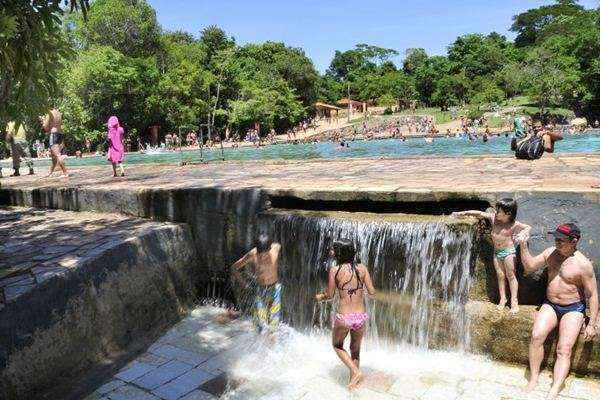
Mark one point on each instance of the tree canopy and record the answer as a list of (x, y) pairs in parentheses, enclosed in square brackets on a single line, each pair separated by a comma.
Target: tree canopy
[(113, 58)]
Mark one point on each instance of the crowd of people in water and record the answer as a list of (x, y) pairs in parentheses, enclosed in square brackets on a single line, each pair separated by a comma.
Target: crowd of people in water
[(570, 307), (530, 138)]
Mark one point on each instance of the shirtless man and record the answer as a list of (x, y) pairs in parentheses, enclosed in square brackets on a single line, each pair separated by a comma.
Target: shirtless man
[(267, 303), (571, 285)]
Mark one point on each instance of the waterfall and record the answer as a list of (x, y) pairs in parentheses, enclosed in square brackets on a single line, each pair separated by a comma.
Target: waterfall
[(419, 265)]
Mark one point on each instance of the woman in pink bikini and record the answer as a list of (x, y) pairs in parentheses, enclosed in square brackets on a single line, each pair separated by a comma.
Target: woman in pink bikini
[(350, 280)]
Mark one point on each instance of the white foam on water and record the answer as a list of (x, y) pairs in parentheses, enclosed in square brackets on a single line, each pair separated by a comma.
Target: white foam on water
[(295, 364)]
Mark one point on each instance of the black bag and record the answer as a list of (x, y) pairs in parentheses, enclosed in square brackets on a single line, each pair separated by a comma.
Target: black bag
[(530, 149)]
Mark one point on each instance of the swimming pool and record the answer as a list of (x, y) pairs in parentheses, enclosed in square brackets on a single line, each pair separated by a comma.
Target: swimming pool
[(394, 148)]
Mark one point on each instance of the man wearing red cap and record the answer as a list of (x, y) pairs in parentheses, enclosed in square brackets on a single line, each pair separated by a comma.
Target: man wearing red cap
[(571, 286)]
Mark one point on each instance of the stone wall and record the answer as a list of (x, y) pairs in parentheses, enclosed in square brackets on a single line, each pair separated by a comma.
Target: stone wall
[(72, 321), (223, 223), (506, 337)]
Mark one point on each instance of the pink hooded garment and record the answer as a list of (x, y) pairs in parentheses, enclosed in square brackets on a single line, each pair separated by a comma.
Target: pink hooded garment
[(115, 135)]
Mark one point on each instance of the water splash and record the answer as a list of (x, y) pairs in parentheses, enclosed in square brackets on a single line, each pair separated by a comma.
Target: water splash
[(420, 268)]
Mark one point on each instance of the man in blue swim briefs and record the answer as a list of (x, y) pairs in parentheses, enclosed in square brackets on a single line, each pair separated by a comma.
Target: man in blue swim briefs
[(571, 288)]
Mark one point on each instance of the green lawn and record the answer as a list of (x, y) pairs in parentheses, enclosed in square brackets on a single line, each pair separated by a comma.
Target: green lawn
[(441, 117)]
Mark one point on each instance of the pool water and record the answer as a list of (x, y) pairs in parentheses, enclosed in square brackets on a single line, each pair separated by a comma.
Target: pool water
[(394, 148)]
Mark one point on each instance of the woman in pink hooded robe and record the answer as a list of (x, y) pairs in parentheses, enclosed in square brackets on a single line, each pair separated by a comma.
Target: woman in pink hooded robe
[(116, 151)]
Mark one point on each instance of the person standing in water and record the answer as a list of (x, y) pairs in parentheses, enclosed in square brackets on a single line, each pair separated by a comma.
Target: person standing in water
[(116, 151), (267, 302), (350, 280)]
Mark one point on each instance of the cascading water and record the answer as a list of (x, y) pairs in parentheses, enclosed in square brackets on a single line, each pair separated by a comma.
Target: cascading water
[(420, 266)]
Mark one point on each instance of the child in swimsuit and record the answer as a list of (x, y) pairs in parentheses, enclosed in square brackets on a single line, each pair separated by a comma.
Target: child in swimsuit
[(350, 280), (505, 229)]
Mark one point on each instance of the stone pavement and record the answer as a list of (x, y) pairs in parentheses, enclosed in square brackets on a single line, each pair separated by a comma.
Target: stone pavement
[(37, 245), (201, 358), (572, 173)]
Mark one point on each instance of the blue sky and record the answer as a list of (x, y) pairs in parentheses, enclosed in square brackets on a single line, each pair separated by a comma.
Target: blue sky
[(322, 26)]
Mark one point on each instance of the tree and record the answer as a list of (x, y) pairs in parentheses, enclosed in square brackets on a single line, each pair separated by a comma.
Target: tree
[(450, 90), (478, 55), (361, 60), (578, 36), (427, 75), (387, 101), (129, 26), (489, 93), (102, 82), (214, 40), (268, 101), (182, 97), (530, 24), (31, 49), (413, 59), (551, 80), (402, 87), (291, 64)]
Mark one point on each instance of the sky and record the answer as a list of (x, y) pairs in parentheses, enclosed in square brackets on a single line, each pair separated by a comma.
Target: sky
[(321, 27)]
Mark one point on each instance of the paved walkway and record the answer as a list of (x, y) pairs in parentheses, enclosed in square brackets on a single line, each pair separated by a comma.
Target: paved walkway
[(200, 358), (489, 173), (36, 245)]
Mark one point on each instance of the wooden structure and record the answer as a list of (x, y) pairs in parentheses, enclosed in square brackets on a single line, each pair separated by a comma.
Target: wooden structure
[(355, 105), (325, 110)]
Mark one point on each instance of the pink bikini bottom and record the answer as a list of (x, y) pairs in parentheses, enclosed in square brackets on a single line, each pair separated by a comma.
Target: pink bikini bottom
[(352, 321)]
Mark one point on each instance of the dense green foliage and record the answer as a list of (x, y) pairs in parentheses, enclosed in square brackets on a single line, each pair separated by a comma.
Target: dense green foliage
[(31, 49), (119, 61), (555, 61)]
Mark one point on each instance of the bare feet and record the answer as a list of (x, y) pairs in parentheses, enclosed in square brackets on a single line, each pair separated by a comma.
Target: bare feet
[(554, 391), (355, 378), (531, 385), (514, 309), (551, 396), (501, 304)]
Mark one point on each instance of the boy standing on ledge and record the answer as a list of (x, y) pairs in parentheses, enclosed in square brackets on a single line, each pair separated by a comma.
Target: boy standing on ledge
[(505, 229)]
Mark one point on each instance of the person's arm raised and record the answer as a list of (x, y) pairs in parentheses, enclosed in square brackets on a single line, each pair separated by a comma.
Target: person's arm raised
[(474, 213), (590, 288), (532, 263), (239, 264), (523, 230)]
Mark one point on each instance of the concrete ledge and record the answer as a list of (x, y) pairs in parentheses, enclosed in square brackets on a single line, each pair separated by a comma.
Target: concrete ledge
[(506, 338), (72, 321)]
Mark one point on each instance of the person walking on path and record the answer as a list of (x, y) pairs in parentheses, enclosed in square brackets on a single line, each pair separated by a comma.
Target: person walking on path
[(116, 151), (52, 123)]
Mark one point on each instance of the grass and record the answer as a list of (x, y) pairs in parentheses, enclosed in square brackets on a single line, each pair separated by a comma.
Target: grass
[(518, 101), (441, 117), (495, 122)]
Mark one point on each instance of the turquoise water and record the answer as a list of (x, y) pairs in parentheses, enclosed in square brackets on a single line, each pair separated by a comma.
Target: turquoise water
[(394, 148)]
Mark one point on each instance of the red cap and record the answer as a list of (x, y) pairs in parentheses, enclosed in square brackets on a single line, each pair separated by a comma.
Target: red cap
[(567, 231)]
